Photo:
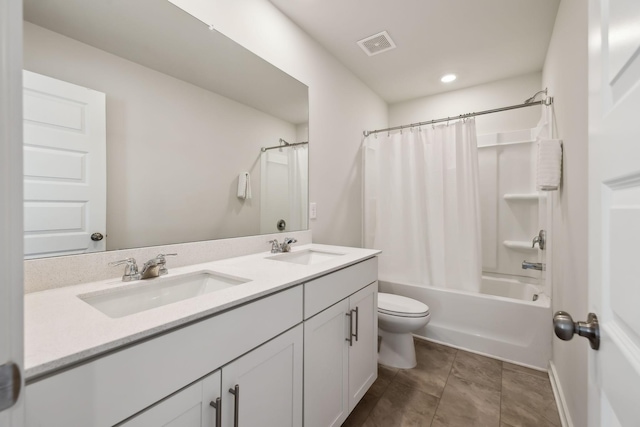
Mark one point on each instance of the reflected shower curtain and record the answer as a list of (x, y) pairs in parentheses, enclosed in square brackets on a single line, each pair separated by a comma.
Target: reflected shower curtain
[(298, 160), (421, 205)]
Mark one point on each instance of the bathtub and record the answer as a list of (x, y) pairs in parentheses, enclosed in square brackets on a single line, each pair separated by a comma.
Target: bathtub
[(503, 321)]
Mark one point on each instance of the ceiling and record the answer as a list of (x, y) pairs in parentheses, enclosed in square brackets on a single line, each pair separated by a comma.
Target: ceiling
[(161, 36), (478, 40)]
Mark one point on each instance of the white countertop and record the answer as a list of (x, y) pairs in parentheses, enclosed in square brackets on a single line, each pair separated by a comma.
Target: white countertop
[(62, 330)]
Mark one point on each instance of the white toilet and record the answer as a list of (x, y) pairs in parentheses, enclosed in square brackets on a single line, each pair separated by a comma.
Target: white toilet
[(398, 317)]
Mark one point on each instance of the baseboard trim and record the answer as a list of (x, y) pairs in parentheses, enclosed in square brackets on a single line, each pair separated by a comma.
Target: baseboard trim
[(563, 410)]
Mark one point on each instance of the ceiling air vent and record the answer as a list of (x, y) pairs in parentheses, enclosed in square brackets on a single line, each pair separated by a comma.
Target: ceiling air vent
[(377, 43)]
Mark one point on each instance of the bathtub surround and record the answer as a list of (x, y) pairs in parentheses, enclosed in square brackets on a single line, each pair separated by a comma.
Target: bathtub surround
[(510, 205), (422, 206)]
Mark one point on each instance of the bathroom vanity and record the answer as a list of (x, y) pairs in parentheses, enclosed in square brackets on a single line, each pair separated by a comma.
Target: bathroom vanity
[(292, 334)]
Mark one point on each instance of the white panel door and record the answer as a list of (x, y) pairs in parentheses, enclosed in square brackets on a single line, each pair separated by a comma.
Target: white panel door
[(363, 354), (269, 384), (326, 367), (614, 210), (11, 292), (64, 167)]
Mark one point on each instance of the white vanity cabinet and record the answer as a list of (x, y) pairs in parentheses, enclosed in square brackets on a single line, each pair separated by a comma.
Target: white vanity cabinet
[(267, 390), (301, 356), (340, 348), (112, 388), (268, 383)]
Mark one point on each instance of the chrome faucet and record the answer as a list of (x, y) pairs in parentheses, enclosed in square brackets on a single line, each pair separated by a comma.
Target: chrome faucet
[(286, 244), (275, 246), (284, 247), (155, 267), (130, 271), (540, 239), (526, 265)]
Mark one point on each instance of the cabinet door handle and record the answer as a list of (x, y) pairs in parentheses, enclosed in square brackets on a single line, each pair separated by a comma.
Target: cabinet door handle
[(350, 339), (236, 398), (218, 407), (357, 327)]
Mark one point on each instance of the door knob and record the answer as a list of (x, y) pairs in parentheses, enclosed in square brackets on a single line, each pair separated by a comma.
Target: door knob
[(565, 328), (96, 237)]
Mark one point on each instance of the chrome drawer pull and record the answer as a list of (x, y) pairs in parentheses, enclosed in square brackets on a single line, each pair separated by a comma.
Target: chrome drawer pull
[(218, 406), (236, 397)]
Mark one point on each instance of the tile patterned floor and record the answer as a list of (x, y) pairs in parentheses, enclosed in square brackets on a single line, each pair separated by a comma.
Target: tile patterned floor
[(455, 388)]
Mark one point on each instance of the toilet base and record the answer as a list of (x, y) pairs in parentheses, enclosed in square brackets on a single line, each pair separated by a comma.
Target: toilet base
[(397, 350)]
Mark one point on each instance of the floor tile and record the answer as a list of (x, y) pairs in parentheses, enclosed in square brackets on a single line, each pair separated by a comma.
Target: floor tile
[(518, 368), (385, 376), (480, 370), (451, 388), (468, 404), (434, 365), (403, 406), (527, 400), (362, 410)]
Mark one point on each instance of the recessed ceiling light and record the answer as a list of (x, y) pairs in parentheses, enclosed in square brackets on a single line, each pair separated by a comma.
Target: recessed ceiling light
[(448, 78)]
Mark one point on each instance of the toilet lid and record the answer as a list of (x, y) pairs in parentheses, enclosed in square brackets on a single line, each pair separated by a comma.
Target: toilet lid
[(397, 305)]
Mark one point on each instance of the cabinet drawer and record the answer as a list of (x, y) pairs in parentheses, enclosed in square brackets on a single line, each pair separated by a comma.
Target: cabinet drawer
[(328, 290), (114, 387)]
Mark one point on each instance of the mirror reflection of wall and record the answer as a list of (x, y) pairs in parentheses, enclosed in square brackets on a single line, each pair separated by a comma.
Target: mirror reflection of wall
[(174, 149)]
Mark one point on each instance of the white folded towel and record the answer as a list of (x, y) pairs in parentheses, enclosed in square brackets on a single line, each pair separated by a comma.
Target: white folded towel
[(549, 164), (244, 186)]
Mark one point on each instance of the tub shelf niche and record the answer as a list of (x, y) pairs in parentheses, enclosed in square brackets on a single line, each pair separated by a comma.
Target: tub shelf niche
[(520, 245), (522, 197)]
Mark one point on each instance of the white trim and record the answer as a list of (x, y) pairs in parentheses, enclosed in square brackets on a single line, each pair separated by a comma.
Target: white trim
[(558, 393), (11, 291)]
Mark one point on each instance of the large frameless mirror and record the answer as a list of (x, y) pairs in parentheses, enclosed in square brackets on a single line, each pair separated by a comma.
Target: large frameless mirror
[(145, 127)]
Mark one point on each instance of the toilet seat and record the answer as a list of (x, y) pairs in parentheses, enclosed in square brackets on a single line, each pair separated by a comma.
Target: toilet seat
[(396, 305)]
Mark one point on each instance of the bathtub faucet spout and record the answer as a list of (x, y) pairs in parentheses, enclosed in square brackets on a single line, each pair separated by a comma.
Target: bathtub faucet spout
[(526, 265)]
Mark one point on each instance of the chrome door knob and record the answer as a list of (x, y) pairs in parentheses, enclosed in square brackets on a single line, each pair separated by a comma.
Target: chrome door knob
[(96, 237), (565, 328)]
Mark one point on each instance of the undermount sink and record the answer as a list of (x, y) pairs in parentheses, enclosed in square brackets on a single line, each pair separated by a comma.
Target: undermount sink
[(305, 257), (148, 294)]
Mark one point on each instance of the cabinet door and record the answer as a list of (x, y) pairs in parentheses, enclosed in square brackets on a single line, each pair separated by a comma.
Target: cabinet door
[(326, 365), (269, 384), (189, 407), (363, 355)]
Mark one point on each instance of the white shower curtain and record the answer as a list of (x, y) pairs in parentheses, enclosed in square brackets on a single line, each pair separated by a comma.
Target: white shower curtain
[(421, 205), (298, 160)]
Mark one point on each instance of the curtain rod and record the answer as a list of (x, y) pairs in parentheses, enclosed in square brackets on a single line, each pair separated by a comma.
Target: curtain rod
[(547, 101), (263, 149)]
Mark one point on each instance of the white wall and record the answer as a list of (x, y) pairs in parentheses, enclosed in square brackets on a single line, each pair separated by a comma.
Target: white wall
[(174, 150), (497, 94), (341, 107), (565, 73)]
